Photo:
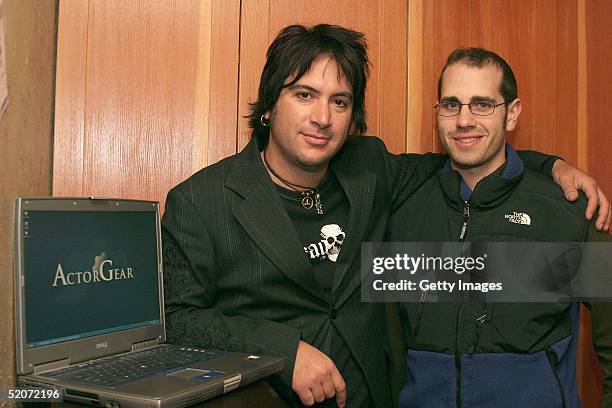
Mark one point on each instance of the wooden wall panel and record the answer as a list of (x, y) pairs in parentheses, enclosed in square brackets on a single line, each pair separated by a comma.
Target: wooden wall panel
[(26, 142), (567, 67), (152, 85), (223, 99), (391, 107), (70, 99), (599, 90), (141, 99), (254, 42), (384, 23), (415, 137)]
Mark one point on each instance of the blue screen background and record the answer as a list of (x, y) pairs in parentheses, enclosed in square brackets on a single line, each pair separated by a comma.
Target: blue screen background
[(74, 239)]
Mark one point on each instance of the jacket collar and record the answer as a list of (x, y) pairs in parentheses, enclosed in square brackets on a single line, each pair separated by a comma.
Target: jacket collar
[(264, 217), (490, 191), (360, 188)]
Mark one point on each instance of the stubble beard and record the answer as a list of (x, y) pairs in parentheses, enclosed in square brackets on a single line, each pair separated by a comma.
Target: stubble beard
[(482, 160)]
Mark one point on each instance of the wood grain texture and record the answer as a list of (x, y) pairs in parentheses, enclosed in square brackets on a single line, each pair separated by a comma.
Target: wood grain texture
[(201, 86), (392, 74), (26, 139), (543, 97), (140, 104), (253, 45), (568, 68), (599, 90), (423, 103), (223, 106), (71, 73), (383, 23), (146, 94), (415, 63)]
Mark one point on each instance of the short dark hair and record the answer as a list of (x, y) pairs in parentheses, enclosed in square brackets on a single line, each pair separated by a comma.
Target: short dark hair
[(478, 57), (292, 53)]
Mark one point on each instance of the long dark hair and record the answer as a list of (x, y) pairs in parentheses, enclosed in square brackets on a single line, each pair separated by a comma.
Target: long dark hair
[(292, 53)]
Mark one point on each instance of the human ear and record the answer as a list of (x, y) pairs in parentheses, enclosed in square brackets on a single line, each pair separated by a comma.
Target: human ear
[(514, 111)]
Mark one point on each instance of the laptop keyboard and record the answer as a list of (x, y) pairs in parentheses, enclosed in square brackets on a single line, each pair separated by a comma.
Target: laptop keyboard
[(114, 371)]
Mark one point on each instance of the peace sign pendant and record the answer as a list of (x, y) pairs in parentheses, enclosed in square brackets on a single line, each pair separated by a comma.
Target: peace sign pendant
[(307, 201)]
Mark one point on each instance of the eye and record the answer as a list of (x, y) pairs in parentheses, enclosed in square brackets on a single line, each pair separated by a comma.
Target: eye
[(481, 106), (304, 95), (341, 103), (450, 105)]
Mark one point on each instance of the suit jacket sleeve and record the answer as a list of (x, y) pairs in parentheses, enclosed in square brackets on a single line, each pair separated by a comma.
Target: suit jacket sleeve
[(409, 171), (536, 161), (190, 293)]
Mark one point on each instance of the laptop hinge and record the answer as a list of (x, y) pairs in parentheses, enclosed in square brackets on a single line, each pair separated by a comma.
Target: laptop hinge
[(53, 365), (145, 344)]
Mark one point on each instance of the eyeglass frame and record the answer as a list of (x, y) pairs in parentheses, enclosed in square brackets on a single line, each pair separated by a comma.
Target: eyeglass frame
[(469, 108)]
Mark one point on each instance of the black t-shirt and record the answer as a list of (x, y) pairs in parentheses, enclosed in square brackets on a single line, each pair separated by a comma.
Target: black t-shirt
[(322, 235)]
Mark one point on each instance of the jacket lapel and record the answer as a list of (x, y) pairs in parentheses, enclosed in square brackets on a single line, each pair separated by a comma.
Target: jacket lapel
[(359, 187), (265, 219)]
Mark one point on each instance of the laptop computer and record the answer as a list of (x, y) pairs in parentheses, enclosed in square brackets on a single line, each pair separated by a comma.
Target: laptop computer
[(89, 298)]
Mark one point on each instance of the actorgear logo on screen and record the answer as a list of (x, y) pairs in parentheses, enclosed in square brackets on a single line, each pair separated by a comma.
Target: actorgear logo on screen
[(102, 271)]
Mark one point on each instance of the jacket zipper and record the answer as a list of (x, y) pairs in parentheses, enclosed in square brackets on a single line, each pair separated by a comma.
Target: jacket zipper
[(419, 313), (466, 216), (464, 227), (458, 359), (552, 362)]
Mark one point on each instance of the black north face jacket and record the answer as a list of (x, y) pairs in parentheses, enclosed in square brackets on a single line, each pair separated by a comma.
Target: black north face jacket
[(474, 354)]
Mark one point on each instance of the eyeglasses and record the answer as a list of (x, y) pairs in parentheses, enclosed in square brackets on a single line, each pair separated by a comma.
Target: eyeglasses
[(478, 108)]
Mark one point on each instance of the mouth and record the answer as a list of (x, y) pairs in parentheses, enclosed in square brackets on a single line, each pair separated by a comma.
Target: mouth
[(315, 139), (467, 141)]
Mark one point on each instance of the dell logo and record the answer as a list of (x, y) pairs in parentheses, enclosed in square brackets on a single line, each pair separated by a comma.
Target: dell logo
[(101, 345)]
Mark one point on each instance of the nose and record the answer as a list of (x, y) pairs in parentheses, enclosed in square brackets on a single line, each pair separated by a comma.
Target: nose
[(465, 119), (321, 114)]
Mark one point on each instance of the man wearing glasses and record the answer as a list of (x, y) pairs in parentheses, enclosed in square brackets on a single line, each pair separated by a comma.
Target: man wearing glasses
[(470, 354)]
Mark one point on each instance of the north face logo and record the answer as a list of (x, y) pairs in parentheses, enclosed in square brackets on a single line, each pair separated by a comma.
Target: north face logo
[(518, 218)]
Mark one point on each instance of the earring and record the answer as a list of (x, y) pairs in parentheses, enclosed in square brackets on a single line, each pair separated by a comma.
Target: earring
[(264, 122)]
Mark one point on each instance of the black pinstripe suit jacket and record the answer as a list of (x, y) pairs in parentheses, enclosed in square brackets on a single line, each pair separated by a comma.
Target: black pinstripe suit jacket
[(235, 273)]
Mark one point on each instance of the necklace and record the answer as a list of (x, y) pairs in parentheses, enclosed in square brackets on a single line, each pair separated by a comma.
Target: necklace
[(310, 196)]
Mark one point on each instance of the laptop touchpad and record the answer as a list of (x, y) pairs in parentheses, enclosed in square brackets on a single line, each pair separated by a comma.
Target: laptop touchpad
[(195, 374)]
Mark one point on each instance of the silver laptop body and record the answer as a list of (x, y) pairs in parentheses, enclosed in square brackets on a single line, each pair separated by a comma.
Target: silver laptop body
[(88, 290)]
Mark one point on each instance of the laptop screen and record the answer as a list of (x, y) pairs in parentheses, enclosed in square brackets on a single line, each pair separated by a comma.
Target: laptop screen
[(88, 273)]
